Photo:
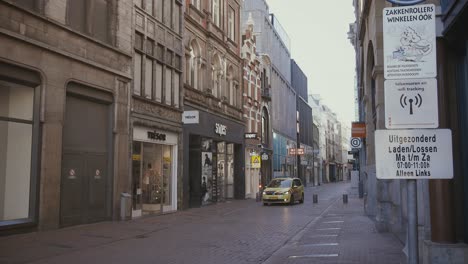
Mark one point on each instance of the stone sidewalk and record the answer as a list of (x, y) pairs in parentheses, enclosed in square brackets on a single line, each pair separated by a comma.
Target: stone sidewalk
[(341, 234), (240, 231)]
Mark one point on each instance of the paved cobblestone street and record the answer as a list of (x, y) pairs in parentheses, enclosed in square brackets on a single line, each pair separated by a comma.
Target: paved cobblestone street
[(232, 232)]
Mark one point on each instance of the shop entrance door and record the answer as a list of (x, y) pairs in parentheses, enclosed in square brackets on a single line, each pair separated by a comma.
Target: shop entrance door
[(84, 196), (152, 178)]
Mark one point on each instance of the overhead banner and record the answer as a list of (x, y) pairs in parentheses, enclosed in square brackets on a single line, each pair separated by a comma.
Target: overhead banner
[(409, 35)]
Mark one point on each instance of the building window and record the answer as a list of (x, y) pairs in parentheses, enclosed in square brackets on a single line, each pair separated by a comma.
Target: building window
[(137, 74), (18, 145), (90, 17), (176, 84), (159, 10), (168, 87), (231, 24), (177, 11), (149, 6), (167, 16), (156, 75), (216, 12), (217, 75), (29, 4), (196, 3), (265, 127), (159, 82), (193, 65)]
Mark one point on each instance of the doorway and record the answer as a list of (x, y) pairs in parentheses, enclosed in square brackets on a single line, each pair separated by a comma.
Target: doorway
[(85, 181)]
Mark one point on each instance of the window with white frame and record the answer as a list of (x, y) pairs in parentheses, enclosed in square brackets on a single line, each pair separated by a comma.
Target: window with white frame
[(231, 24)]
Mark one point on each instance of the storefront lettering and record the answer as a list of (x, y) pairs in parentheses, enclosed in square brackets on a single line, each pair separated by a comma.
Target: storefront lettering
[(220, 129), (156, 136)]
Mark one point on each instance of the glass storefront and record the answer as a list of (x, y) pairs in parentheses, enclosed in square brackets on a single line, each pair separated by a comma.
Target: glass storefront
[(154, 177), (16, 140), (217, 184)]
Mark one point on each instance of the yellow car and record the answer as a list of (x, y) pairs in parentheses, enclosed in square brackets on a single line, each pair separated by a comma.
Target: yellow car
[(283, 190)]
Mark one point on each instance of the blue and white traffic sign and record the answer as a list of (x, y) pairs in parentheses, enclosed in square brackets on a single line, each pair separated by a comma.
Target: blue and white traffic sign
[(405, 2)]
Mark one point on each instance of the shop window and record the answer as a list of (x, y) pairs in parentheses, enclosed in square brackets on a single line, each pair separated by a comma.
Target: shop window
[(16, 141), (152, 177)]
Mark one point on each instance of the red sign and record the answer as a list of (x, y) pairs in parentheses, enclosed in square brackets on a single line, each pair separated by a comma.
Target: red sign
[(358, 130), (296, 151)]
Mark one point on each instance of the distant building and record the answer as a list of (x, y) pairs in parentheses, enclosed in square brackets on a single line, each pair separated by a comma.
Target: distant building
[(304, 124), (257, 114), (156, 115), (273, 40)]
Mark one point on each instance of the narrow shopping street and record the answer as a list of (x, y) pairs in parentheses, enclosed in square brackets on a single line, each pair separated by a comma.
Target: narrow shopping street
[(239, 231)]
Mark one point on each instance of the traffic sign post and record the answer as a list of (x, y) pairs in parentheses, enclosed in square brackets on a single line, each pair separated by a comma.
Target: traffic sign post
[(410, 70), (413, 154)]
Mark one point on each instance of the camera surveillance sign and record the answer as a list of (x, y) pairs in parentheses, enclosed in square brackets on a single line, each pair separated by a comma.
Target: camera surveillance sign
[(411, 103), (409, 42)]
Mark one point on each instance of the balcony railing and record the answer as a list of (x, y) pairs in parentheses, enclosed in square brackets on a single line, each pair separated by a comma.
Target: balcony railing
[(266, 94)]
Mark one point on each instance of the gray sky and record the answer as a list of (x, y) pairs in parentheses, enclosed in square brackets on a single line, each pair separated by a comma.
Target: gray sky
[(318, 32)]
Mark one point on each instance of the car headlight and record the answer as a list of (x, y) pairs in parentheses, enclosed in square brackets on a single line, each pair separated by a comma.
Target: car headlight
[(283, 193), (264, 193)]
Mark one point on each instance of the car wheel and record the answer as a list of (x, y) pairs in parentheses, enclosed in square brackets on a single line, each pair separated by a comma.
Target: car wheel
[(265, 204), (291, 200), (302, 199)]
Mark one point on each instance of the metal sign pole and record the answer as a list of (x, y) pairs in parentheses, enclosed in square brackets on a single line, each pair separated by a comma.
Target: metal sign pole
[(412, 223)]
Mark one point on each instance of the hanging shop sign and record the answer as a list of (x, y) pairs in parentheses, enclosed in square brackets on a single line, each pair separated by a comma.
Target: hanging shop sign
[(191, 117), (250, 135), (414, 154), (409, 35)]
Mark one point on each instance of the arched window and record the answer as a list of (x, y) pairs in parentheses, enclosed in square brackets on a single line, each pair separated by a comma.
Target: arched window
[(231, 90), (193, 65), (265, 126), (216, 75)]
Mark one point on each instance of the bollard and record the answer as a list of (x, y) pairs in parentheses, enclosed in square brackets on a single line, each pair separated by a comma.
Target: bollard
[(345, 198), (315, 198)]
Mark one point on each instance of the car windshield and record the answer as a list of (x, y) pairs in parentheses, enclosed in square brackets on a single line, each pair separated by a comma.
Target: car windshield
[(280, 183)]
